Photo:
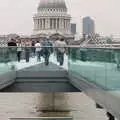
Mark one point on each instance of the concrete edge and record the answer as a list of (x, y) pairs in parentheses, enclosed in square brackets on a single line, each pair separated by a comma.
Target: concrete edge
[(7, 79), (100, 96), (41, 74)]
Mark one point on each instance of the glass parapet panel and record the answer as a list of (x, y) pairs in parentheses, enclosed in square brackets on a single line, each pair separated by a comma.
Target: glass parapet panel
[(113, 71), (7, 57), (97, 65), (48, 58), (29, 58)]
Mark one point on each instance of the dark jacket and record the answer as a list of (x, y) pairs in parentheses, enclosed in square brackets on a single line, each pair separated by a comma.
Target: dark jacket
[(12, 44), (49, 44)]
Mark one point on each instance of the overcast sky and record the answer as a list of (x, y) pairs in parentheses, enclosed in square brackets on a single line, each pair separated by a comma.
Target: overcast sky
[(16, 15)]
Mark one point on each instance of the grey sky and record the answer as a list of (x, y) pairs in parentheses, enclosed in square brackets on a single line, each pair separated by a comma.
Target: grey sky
[(16, 15)]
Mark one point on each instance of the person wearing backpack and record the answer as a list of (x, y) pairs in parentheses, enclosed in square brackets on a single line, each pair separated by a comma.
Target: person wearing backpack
[(47, 45), (56, 49), (61, 51)]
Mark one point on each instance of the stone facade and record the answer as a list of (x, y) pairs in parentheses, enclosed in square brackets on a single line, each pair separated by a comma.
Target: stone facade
[(52, 18)]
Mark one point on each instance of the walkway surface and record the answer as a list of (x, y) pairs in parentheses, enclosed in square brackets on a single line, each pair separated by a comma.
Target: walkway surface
[(43, 67), (6, 67), (26, 103)]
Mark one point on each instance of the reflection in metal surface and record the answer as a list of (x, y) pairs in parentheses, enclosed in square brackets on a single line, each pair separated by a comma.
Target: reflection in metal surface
[(44, 118), (17, 105)]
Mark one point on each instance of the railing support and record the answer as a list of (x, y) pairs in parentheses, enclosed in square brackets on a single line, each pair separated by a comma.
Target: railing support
[(110, 116), (98, 106)]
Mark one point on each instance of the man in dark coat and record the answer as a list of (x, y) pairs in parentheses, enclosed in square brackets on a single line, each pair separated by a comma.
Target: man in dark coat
[(12, 50)]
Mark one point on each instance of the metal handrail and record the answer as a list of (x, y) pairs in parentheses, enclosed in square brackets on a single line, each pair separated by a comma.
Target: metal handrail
[(72, 46)]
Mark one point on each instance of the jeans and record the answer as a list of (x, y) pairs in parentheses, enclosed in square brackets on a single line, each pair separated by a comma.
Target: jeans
[(38, 55), (61, 58), (47, 55), (57, 55), (19, 55), (27, 54)]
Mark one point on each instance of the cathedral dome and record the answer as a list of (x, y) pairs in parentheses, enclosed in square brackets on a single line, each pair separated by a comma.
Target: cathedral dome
[(51, 18), (52, 4)]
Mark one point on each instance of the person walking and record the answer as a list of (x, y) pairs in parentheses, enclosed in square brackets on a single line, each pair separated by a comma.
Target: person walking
[(19, 50), (33, 48), (12, 49), (27, 50), (38, 50), (47, 50), (61, 50), (56, 49)]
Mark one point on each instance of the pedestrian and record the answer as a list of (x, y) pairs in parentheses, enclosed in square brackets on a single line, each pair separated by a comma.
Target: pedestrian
[(56, 48), (47, 50), (12, 50), (61, 50), (27, 50), (19, 50), (33, 48), (38, 50)]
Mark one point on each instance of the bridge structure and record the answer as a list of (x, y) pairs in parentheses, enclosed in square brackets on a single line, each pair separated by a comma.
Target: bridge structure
[(94, 41), (92, 70)]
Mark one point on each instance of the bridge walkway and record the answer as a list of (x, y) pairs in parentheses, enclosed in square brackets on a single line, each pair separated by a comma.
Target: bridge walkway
[(91, 70)]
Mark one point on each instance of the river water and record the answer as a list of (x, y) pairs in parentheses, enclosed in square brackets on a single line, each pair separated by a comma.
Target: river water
[(20, 105)]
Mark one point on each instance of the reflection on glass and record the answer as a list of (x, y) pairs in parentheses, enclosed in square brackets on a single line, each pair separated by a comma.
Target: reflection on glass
[(98, 65)]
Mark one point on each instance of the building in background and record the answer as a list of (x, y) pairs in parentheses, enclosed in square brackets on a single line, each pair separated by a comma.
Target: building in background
[(73, 28), (52, 19), (5, 38), (88, 26)]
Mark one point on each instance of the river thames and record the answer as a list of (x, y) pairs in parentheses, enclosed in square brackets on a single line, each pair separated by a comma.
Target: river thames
[(20, 105)]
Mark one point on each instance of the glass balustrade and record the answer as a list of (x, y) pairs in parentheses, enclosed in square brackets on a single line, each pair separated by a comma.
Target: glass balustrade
[(6, 60), (100, 66), (47, 58)]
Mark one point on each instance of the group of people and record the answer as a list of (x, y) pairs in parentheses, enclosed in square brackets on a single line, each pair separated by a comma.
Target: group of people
[(40, 49)]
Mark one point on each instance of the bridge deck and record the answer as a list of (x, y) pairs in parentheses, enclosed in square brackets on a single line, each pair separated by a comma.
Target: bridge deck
[(42, 66), (41, 78)]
